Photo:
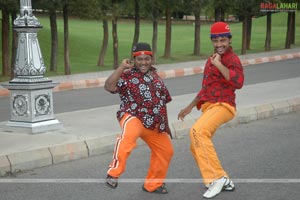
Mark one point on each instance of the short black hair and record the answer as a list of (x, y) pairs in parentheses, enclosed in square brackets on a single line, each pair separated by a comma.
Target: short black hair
[(229, 36)]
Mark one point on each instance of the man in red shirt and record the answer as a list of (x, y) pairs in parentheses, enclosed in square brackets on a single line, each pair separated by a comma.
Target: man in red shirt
[(223, 74), (142, 113)]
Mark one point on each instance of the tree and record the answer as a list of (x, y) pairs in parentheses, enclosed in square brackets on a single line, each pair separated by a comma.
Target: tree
[(136, 23), (290, 34), (153, 10), (52, 6), (219, 7), (268, 32), (196, 8), (104, 9), (219, 10), (5, 43), (168, 14), (54, 39), (6, 7), (245, 10), (289, 30), (249, 30), (115, 33), (66, 38), (170, 5), (293, 28)]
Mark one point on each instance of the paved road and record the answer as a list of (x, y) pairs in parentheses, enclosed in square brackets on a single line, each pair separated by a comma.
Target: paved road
[(97, 97), (262, 157)]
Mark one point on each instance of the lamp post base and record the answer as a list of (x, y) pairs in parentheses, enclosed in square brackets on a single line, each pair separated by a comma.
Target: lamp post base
[(33, 128), (32, 107)]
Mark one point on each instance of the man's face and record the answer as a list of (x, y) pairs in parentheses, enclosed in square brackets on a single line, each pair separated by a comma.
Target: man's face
[(143, 63), (221, 44)]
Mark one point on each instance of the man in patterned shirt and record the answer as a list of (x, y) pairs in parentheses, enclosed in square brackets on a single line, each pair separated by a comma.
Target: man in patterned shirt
[(223, 74), (142, 114)]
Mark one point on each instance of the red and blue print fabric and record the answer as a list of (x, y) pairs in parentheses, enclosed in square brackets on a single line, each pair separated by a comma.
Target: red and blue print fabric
[(144, 96), (215, 88)]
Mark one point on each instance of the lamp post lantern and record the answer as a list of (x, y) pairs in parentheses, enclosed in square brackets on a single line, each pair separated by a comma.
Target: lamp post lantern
[(30, 92)]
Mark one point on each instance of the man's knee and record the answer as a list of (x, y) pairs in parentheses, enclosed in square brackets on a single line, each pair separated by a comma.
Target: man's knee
[(201, 132), (170, 152)]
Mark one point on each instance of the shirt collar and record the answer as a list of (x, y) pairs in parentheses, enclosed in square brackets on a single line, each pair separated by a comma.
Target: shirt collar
[(228, 52), (151, 69)]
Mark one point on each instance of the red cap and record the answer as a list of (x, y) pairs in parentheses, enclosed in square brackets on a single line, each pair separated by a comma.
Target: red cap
[(220, 29)]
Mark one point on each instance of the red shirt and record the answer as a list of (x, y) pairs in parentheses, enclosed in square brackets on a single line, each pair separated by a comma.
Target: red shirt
[(215, 88), (144, 96)]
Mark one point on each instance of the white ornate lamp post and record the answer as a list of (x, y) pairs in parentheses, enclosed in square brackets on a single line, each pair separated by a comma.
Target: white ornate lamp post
[(30, 92)]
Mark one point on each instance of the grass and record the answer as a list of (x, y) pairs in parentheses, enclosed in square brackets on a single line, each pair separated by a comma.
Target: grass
[(86, 39)]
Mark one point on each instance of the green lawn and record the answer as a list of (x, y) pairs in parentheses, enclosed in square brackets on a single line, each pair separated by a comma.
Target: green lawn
[(86, 40)]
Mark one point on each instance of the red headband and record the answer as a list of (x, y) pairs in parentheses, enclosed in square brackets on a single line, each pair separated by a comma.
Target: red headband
[(142, 53)]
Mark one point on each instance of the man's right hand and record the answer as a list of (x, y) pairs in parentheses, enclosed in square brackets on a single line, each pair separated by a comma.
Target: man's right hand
[(126, 64), (111, 82), (183, 113)]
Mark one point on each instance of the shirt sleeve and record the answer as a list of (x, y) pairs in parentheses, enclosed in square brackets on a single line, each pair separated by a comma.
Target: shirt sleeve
[(236, 73), (120, 85), (165, 89), (168, 96)]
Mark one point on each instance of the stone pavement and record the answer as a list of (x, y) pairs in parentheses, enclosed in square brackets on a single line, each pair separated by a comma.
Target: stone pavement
[(93, 131)]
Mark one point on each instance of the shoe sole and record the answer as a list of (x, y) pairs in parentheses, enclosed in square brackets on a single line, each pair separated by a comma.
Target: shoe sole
[(111, 182), (225, 189), (111, 186), (228, 190), (157, 191)]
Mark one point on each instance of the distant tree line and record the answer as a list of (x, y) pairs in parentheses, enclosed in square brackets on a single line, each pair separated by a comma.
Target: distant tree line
[(110, 11)]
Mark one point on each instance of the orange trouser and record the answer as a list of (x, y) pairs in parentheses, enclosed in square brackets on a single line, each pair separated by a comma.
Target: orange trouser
[(202, 148), (159, 143)]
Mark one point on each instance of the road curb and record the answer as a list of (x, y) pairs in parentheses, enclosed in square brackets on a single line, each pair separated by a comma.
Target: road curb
[(4, 165), (99, 82), (68, 152), (42, 157), (101, 145), (29, 160)]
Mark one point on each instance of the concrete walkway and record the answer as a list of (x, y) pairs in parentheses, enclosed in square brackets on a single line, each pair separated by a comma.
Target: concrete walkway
[(92, 132)]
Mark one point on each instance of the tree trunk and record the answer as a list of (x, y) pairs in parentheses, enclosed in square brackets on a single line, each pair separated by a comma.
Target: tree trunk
[(293, 27), (115, 34), (249, 30), (222, 14), (244, 36), (14, 46), (5, 43), (268, 34), (168, 32), (289, 31), (155, 31), (197, 34), (66, 40), (54, 41), (104, 43), (136, 23), (154, 40), (217, 15), (115, 42)]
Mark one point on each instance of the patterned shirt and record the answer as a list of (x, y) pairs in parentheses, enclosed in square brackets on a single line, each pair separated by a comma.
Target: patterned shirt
[(215, 88), (144, 96)]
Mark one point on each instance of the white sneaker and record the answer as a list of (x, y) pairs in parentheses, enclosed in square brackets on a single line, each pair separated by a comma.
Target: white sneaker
[(215, 187), (229, 186)]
